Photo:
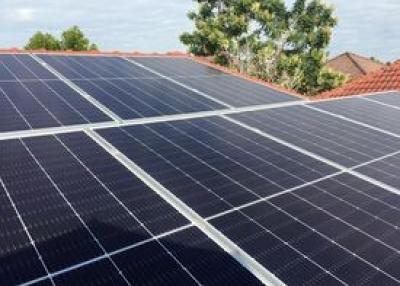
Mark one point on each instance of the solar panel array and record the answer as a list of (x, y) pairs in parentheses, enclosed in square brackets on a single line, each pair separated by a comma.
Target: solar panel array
[(98, 186)]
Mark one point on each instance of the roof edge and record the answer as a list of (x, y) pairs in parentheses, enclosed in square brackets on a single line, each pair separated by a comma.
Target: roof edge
[(95, 53)]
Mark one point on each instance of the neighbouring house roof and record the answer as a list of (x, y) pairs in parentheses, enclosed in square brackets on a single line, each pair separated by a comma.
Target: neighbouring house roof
[(386, 79), (354, 65)]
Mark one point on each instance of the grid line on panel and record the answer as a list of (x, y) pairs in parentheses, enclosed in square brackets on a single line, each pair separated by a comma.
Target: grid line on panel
[(130, 213), (111, 253), (363, 112), (341, 141), (55, 92), (292, 190), (33, 96), (15, 108), (320, 158), (85, 96), (31, 240), (248, 262), (74, 211), (179, 83)]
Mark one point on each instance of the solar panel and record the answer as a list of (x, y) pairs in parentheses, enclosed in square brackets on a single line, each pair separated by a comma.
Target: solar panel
[(82, 208), (129, 91), (298, 193), (386, 170), (366, 112), (230, 89), (334, 232), (31, 97), (392, 98), (213, 164), (338, 140)]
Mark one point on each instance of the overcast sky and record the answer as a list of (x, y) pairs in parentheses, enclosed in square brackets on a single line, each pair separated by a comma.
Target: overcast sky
[(368, 27)]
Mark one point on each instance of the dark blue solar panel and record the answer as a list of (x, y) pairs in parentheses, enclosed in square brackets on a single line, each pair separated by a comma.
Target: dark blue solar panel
[(338, 140), (145, 204), (10, 119), (213, 164), (338, 228), (95, 274), (392, 98), (230, 89), (207, 261), (18, 260), (60, 237), (367, 112), (92, 67), (177, 67), (204, 261), (386, 170), (22, 67), (31, 97), (114, 82)]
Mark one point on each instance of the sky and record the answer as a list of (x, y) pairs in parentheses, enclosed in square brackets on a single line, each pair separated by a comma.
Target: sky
[(368, 27)]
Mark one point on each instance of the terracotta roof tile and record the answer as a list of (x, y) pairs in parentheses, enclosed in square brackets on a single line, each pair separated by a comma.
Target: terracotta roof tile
[(354, 65), (386, 79)]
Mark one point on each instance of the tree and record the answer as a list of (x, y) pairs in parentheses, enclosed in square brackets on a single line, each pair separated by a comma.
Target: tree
[(43, 41), (71, 39), (287, 46), (74, 39)]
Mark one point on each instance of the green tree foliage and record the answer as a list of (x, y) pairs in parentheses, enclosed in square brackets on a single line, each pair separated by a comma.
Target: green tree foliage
[(280, 44), (43, 41), (71, 39)]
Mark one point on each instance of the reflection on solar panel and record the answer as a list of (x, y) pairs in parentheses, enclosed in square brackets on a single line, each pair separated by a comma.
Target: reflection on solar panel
[(230, 89), (129, 91), (367, 112), (295, 193), (338, 140), (31, 97)]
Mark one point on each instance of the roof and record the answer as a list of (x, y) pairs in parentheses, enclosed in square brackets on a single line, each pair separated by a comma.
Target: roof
[(386, 79), (354, 65)]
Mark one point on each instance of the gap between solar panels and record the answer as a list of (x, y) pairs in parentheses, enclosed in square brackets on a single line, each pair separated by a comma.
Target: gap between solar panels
[(327, 161), (240, 255), (179, 83), (139, 121), (85, 95)]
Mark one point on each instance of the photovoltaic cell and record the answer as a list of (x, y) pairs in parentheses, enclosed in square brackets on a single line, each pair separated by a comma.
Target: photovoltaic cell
[(367, 112), (177, 67), (213, 164), (18, 260), (386, 170), (335, 232), (33, 98), (230, 89), (90, 218), (335, 139), (128, 90), (96, 274), (156, 214), (206, 263), (387, 98), (95, 67), (59, 235)]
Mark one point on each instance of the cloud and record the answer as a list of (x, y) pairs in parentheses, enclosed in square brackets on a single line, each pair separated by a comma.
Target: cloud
[(21, 14)]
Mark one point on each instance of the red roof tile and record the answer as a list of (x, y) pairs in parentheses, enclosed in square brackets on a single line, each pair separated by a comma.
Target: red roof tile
[(354, 65), (386, 79)]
